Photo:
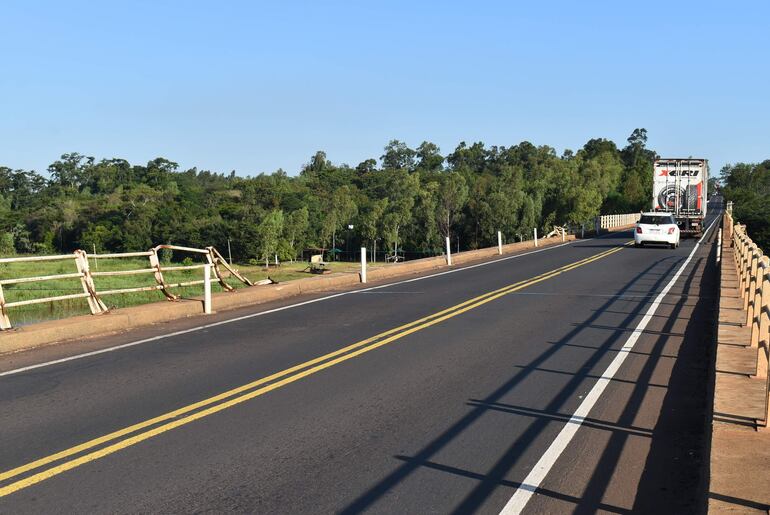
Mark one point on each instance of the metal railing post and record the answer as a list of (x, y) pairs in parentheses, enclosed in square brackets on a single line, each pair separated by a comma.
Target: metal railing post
[(719, 246), (363, 265), (5, 322), (207, 288)]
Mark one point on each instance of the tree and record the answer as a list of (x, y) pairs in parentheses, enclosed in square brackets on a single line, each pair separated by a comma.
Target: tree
[(295, 229), (269, 232), (636, 182), (397, 156), (402, 189), (748, 187), (340, 209), (452, 195), (366, 167), (429, 157), (368, 223), (96, 236), (7, 247), (318, 163), (426, 232)]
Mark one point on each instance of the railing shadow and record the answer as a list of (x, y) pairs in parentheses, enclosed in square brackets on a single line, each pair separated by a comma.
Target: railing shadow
[(495, 476), (680, 445)]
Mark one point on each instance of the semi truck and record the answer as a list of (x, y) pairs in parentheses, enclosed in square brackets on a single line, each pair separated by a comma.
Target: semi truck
[(679, 187)]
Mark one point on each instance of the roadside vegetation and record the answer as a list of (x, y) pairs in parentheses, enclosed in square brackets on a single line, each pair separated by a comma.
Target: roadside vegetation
[(406, 202), (747, 185), (411, 198)]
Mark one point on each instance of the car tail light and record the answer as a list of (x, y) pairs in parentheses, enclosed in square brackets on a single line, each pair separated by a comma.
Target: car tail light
[(638, 230), (671, 230)]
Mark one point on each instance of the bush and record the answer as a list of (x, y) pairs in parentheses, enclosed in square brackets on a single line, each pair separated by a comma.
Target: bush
[(7, 247)]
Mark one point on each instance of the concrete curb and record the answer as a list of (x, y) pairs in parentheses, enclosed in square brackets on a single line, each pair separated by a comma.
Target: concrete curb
[(55, 331)]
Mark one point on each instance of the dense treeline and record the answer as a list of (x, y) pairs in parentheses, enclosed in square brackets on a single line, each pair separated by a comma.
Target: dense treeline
[(413, 199), (748, 186)]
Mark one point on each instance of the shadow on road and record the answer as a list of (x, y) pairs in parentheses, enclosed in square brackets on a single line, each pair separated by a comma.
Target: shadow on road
[(495, 476), (676, 471)]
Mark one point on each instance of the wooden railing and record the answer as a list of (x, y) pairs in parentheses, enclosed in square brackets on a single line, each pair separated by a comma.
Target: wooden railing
[(213, 258)]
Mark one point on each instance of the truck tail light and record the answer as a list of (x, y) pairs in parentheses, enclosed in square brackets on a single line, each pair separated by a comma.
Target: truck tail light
[(638, 230), (671, 230)]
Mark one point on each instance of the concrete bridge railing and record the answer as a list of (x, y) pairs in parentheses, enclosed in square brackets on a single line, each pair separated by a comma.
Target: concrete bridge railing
[(613, 221), (744, 309)]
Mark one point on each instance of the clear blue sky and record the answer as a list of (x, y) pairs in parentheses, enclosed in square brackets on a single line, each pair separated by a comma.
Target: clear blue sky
[(254, 86)]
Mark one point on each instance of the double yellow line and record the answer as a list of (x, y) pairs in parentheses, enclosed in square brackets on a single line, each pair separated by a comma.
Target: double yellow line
[(132, 435)]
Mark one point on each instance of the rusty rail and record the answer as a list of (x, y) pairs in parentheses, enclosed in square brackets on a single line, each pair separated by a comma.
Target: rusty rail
[(213, 259)]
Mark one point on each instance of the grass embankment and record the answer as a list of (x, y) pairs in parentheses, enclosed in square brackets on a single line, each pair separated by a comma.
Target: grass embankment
[(21, 315)]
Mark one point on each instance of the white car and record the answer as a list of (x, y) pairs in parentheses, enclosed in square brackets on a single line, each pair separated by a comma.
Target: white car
[(656, 228)]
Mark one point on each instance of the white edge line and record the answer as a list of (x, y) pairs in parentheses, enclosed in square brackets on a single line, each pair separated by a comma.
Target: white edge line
[(531, 483), (275, 310)]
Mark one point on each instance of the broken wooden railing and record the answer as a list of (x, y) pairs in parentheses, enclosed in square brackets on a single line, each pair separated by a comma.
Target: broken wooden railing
[(213, 262)]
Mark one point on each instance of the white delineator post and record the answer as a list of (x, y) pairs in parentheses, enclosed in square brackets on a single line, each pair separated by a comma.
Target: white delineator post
[(363, 264), (499, 243), (207, 288), (563, 234), (535, 232), (448, 252), (719, 245)]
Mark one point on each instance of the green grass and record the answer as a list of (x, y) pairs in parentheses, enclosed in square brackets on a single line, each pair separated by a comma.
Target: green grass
[(21, 315)]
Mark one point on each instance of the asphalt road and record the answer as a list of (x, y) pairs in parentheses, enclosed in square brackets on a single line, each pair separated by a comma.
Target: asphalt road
[(410, 398)]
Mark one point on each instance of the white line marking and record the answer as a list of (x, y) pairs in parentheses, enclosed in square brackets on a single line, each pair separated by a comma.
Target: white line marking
[(269, 311), (531, 483)]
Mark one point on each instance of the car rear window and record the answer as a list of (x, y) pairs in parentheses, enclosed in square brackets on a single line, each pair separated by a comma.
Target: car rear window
[(656, 220)]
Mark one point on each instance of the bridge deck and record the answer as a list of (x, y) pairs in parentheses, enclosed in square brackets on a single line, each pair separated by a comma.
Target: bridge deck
[(439, 395)]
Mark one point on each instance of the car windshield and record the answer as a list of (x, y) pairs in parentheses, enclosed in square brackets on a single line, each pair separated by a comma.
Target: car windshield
[(656, 220)]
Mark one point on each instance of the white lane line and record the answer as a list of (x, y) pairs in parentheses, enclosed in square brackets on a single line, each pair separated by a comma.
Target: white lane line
[(275, 310), (532, 482)]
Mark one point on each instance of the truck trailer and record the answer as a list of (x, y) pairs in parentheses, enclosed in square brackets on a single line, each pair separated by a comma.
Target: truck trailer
[(679, 187)]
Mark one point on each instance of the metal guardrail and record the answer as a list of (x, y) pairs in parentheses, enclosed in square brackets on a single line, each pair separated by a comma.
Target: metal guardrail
[(753, 269), (213, 262)]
